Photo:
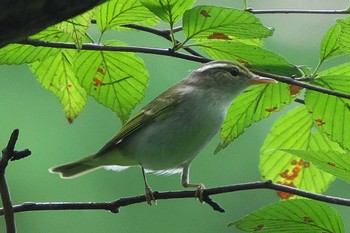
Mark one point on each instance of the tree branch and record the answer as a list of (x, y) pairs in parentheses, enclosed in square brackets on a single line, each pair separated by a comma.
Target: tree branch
[(172, 53), (99, 47), (298, 11), (308, 86), (8, 153), (114, 206)]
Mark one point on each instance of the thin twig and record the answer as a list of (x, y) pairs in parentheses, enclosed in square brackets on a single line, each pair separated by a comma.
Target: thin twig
[(172, 53), (308, 86), (114, 206), (99, 47), (9, 154), (298, 11)]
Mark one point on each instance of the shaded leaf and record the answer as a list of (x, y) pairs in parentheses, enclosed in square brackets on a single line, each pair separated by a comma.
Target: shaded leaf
[(19, 54), (331, 113), (169, 11), (204, 22), (115, 79), (76, 27), (254, 57), (295, 130), (254, 104), (302, 216), (330, 45), (115, 13), (56, 75)]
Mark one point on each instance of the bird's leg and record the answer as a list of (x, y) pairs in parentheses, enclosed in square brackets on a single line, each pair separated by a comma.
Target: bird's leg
[(185, 181), (149, 193)]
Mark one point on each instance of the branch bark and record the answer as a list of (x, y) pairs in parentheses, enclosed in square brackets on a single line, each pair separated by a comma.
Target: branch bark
[(9, 154), (114, 206), (173, 53)]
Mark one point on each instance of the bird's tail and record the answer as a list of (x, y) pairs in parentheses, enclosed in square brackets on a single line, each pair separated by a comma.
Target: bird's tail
[(72, 170)]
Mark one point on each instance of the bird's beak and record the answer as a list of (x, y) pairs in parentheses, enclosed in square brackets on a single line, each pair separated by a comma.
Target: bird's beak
[(261, 80)]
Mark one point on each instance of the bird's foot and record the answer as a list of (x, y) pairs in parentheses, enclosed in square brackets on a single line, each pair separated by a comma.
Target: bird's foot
[(150, 196), (199, 192)]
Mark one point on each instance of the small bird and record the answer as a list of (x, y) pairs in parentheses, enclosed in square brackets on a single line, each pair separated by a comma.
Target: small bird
[(169, 132)]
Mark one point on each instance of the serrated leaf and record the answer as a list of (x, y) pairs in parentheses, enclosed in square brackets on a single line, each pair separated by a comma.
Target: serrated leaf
[(295, 130), (211, 22), (19, 54), (330, 45), (115, 79), (342, 69), (56, 75), (169, 11), (331, 113), (76, 27), (253, 105), (302, 216), (344, 36), (115, 13), (333, 162), (254, 57)]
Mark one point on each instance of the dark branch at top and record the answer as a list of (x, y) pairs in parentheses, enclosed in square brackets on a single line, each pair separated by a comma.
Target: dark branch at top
[(298, 11)]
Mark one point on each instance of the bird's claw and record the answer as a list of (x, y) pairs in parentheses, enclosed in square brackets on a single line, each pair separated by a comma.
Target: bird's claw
[(150, 196)]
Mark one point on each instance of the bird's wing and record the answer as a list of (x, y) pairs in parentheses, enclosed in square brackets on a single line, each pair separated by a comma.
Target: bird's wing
[(158, 108)]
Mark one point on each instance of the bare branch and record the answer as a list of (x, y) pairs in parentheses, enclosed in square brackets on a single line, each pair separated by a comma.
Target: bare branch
[(99, 47), (172, 53), (8, 153), (298, 11), (114, 206)]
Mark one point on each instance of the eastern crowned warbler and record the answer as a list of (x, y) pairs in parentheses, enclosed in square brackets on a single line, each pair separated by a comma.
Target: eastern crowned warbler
[(169, 132)]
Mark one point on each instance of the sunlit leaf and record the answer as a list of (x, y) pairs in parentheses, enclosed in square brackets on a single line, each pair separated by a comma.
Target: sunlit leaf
[(18, 54), (169, 11), (251, 56), (295, 130), (211, 22), (302, 216), (331, 113), (76, 27), (253, 105), (344, 36), (115, 79), (330, 45), (56, 75), (115, 13), (333, 162)]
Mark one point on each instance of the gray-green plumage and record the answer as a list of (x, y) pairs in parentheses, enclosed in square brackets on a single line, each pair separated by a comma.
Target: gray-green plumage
[(169, 132)]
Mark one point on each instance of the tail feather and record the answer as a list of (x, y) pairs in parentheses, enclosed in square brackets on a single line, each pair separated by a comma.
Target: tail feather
[(78, 168)]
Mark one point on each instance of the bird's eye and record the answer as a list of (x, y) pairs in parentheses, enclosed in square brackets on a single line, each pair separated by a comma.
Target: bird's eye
[(234, 71)]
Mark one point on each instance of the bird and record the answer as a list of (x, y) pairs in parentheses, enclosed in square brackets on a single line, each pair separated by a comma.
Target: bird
[(167, 134)]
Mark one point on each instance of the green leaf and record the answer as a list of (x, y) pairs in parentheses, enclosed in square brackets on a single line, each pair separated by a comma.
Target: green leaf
[(295, 130), (115, 13), (19, 54), (344, 36), (56, 75), (211, 22), (169, 11), (333, 162), (254, 104), (251, 56), (330, 45), (342, 69), (76, 27), (115, 79), (302, 216), (331, 113)]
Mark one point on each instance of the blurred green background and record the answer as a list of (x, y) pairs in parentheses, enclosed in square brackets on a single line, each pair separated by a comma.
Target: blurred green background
[(43, 129)]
